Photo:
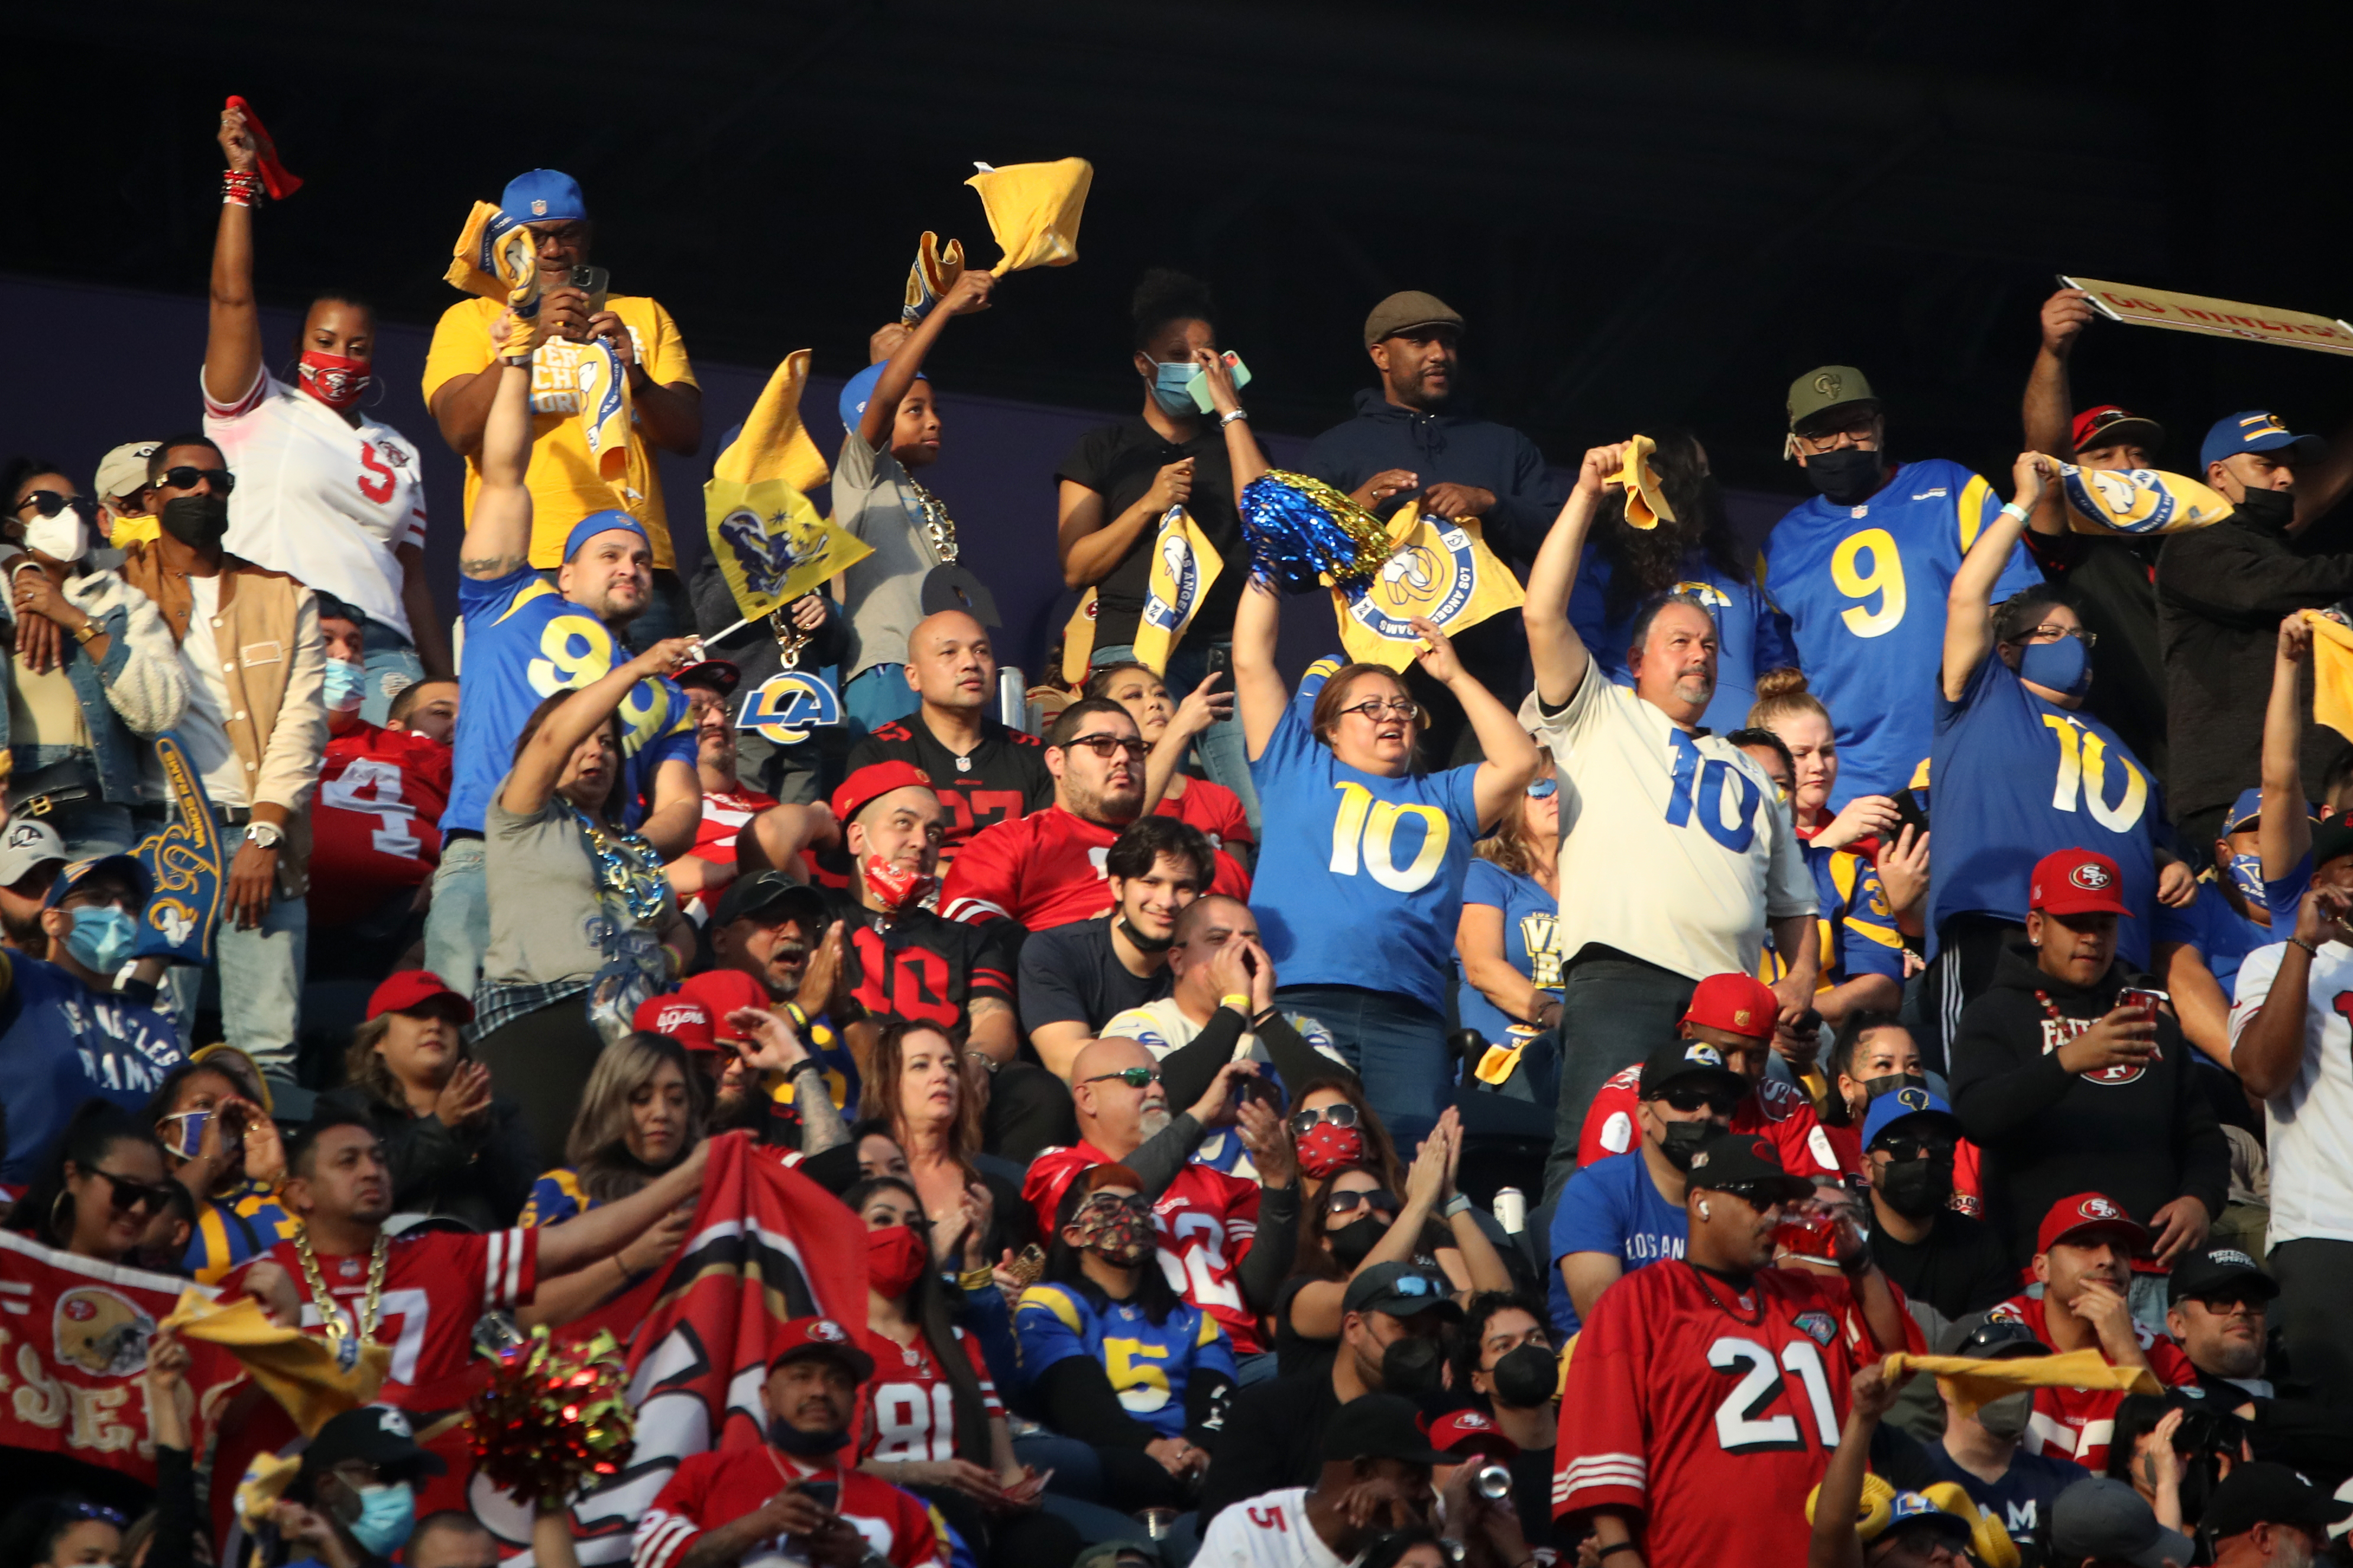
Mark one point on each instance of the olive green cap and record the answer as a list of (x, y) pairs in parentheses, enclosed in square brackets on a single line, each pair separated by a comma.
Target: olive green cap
[(1402, 312), (1827, 389)]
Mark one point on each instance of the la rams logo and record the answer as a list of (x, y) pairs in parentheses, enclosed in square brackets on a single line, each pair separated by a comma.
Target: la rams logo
[(787, 706), (1717, 600), (2139, 500), (1170, 609), (2091, 878), (102, 1331), (765, 558), (1700, 1053), (1435, 585), (1912, 1099)]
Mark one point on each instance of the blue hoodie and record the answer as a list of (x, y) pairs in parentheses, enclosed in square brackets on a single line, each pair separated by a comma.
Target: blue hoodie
[(1446, 449)]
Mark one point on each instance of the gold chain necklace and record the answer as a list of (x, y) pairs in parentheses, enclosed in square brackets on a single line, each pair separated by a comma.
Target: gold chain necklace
[(331, 1314)]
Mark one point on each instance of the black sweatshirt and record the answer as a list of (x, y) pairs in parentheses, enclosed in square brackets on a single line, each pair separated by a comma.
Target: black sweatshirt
[(2047, 1133)]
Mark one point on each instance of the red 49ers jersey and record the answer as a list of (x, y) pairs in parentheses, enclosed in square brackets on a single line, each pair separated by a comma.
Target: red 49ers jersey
[(724, 813), (375, 827), (1689, 1402), (1207, 1221), (2078, 1422), (1775, 1110), (711, 1489), (1001, 780), (910, 1404), (922, 968), (1041, 870)]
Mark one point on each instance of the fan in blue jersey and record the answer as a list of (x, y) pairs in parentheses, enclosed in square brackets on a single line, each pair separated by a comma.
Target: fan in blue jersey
[(1696, 556), (1115, 1357), (1863, 571), (527, 638), (2023, 770), (1508, 941)]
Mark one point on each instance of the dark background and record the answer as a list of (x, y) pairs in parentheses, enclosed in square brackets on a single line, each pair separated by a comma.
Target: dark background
[(1648, 213)]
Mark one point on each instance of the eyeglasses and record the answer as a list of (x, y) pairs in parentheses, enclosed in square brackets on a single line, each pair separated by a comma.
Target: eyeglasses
[(1303, 1122), (129, 1194), (1105, 745), (1717, 1101), (1379, 1198), (1134, 1203), (48, 504), (1544, 789), (2049, 632), (1135, 1077), (187, 479), (1374, 708)]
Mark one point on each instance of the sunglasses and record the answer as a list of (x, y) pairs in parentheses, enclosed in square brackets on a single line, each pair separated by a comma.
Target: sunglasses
[(1394, 708), (1134, 1203), (1105, 746), (129, 1194), (1718, 1102), (1416, 1285), (1901, 1147), (48, 504), (1303, 1122), (1379, 1198), (2253, 1306), (1543, 789), (187, 479), (1135, 1077), (1758, 1195)]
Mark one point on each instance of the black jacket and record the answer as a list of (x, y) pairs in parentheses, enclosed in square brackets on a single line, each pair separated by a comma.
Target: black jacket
[(1273, 1438), (2047, 1133), (481, 1176), (1446, 449)]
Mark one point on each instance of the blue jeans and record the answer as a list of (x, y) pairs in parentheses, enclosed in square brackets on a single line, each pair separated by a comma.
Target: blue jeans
[(1225, 755), (392, 667), (876, 696), (92, 827), (458, 924), (1614, 1008), (1394, 1043), (260, 973)]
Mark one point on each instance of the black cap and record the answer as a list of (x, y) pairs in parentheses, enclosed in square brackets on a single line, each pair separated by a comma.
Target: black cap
[(1401, 1291), (378, 1433), (2331, 839), (1681, 1061), (1995, 1339), (1379, 1426), (1732, 1160), (2266, 1493), (2219, 1268), (764, 890)]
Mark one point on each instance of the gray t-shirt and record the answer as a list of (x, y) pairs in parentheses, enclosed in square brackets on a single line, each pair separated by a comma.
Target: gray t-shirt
[(874, 498), (552, 919)]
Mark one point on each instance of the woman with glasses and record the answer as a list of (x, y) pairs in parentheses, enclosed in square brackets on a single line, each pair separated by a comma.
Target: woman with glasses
[(101, 1189), (94, 669), (1509, 944), (1348, 824), (212, 1116), (1162, 721), (922, 1095)]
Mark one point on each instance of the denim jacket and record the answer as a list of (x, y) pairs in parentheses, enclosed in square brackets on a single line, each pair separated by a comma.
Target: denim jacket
[(137, 691)]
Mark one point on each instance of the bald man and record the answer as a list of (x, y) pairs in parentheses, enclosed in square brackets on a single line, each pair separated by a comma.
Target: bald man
[(983, 773)]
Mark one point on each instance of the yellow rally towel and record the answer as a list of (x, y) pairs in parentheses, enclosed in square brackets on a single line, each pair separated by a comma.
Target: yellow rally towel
[(264, 1482), (2332, 672), (1971, 1382), (2137, 501), (1646, 506), (604, 413), (299, 1370), (1441, 571), (771, 544), (935, 273), (494, 256), (1034, 211), (1184, 564), (1079, 641), (773, 443)]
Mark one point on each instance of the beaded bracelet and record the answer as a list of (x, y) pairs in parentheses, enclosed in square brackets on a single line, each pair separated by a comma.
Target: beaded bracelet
[(240, 188)]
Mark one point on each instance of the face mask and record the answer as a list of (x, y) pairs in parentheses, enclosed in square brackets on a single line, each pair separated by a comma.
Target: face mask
[(1147, 944), (335, 380), (1887, 1083), (1846, 475), (1115, 1232), (2247, 876), (2268, 508), (387, 1516), (1916, 1188), (1353, 1241), (101, 938), (895, 888), (346, 685), (803, 1444), (2065, 667), (63, 538), (1326, 1148), (895, 1260), (1524, 1378), (2006, 1418), (1681, 1140), (196, 521), (1172, 388), (1411, 1367)]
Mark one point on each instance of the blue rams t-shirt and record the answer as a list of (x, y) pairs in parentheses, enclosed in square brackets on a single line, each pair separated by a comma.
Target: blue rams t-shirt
[(1149, 1363), (60, 1044), (1864, 589), (1530, 944), (1751, 635), (2018, 777), (1857, 928), (1612, 1205), (525, 641), (1388, 853)]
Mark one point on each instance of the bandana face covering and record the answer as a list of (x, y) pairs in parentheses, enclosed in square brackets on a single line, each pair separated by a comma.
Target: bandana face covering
[(1119, 1230), (1326, 1148), (2247, 876), (895, 888), (335, 380)]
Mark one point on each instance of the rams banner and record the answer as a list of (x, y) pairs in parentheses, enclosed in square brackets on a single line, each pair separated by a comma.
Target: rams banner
[(183, 864), (770, 543), (2215, 318), (2137, 501), (1184, 566), (1441, 571)]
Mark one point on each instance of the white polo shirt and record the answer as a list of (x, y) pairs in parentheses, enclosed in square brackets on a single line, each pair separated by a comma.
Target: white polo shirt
[(2309, 1124)]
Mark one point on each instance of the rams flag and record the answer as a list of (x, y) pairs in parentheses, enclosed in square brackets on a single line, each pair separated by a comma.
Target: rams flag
[(935, 272), (765, 534), (2137, 501), (1441, 571), (183, 865), (1034, 210), (1184, 564)]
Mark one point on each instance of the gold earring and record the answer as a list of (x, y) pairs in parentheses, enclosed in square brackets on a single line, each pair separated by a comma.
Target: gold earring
[(62, 1231)]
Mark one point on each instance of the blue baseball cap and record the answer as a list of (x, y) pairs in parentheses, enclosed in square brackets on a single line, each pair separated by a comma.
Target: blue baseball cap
[(543, 195), (2254, 430), (1911, 1099), (860, 389), (73, 875), (597, 522), (2248, 810), (1911, 1508)]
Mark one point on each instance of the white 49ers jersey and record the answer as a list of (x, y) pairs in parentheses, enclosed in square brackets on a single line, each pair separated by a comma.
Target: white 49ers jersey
[(2309, 1122)]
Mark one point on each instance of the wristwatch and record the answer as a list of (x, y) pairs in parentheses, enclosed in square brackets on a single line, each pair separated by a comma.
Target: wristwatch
[(266, 835)]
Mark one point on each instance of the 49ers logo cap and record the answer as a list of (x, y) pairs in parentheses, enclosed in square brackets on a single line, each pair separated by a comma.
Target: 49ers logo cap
[(2079, 1219), (820, 1337), (2077, 882)]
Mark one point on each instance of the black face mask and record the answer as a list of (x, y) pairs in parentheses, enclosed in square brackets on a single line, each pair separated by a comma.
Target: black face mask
[(196, 521), (1411, 1368), (1916, 1188), (803, 1444), (1525, 1377), (1353, 1241), (1888, 1083), (2268, 508), (1847, 475), (1681, 1140), (1145, 944)]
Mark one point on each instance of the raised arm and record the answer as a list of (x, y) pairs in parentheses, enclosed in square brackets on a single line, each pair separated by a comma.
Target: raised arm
[(1558, 654), (2283, 834), (602, 1231), (969, 294), (1968, 607), (574, 719), (1840, 1498), (1243, 454), (233, 340), (498, 534), (2049, 410), (1259, 690), (1511, 752)]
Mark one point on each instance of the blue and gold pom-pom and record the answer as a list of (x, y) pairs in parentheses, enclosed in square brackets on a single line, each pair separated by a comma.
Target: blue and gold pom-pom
[(1304, 534)]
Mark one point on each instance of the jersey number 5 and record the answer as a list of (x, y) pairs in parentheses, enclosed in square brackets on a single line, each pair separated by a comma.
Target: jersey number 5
[(1885, 579), (1741, 1425)]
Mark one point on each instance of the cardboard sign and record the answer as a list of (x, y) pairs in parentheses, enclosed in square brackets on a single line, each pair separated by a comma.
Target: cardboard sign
[(2215, 318)]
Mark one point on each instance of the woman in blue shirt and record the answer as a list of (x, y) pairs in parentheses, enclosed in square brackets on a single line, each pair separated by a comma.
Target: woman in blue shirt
[(1361, 858), (1509, 944)]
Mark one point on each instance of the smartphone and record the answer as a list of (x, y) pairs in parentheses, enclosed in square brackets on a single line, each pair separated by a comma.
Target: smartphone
[(592, 281), (1909, 813), (1265, 1093), (1221, 660), (826, 1494), (1199, 385)]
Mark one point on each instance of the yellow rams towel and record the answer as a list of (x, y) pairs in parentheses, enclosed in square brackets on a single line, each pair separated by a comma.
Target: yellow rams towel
[(2137, 501), (1034, 211), (1441, 571), (1972, 1383), (299, 1370), (773, 443), (935, 273), (1184, 566), (2332, 673), (1646, 507)]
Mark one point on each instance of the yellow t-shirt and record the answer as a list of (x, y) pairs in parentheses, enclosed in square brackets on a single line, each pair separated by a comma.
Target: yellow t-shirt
[(563, 479)]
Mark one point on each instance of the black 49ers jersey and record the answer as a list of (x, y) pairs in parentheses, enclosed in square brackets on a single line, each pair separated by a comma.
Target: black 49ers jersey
[(1002, 778), (922, 968)]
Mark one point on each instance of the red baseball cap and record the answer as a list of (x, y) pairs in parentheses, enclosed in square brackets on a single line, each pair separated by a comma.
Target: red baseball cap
[(1737, 1004), (819, 1336), (872, 782), (679, 1017), (720, 992), (1471, 1432), (2109, 426), (2077, 882), (406, 990), (2070, 1218)]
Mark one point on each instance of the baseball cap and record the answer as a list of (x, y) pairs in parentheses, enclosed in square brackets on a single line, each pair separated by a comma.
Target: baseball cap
[(406, 990), (1403, 311), (543, 195), (377, 1434), (858, 390), (1467, 1431), (2254, 430), (26, 846), (1995, 1339), (597, 522), (819, 1337), (1379, 1426), (764, 890), (123, 470), (2070, 1217), (2077, 882), (2265, 1492), (2331, 840), (2101, 1518), (1743, 1160), (720, 992), (716, 674), (2218, 1269), (1676, 1061), (1107, 1554), (73, 875), (2109, 426), (1401, 1291), (1826, 390), (871, 784), (686, 1019), (1736, 1004), (1911, 1508), (1903, 1103)]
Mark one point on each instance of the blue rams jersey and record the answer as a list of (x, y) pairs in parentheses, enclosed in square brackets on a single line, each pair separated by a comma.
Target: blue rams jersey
[(229, 1230), (1531, 945), (61, 1043), (1149, 1363), (554, 1198), (525, 641), (1864, 587), (1752, 636), (1858, 929), (1392, 852), (2222, 936)]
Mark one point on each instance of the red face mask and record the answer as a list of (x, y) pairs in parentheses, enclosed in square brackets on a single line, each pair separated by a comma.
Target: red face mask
[(897, 890), (335, 380), (896, 1258), (1326, 1148)]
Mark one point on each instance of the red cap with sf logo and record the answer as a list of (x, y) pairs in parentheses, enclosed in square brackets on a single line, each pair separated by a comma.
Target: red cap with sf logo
[(2077, 882)]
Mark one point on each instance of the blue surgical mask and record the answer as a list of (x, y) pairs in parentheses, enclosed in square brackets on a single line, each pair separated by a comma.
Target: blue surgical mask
[(101, 938), (346, 685), (1172, 388), (2247, 876), (387, 1516), (2065, 667)]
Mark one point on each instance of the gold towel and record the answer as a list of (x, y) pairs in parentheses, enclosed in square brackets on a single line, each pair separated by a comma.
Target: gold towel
[(298, 1370), (1034, 211), (1646, 507), (2332, 673), (1972, 1383)]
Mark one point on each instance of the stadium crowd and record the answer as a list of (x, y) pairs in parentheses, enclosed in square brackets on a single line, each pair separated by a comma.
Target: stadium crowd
[(1506, 1107)]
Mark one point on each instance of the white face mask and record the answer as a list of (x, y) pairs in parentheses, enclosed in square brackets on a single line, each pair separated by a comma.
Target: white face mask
[(63, 538)]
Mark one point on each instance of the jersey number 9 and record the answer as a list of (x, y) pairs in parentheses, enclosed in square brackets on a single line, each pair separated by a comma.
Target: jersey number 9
[(1885, 579)]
